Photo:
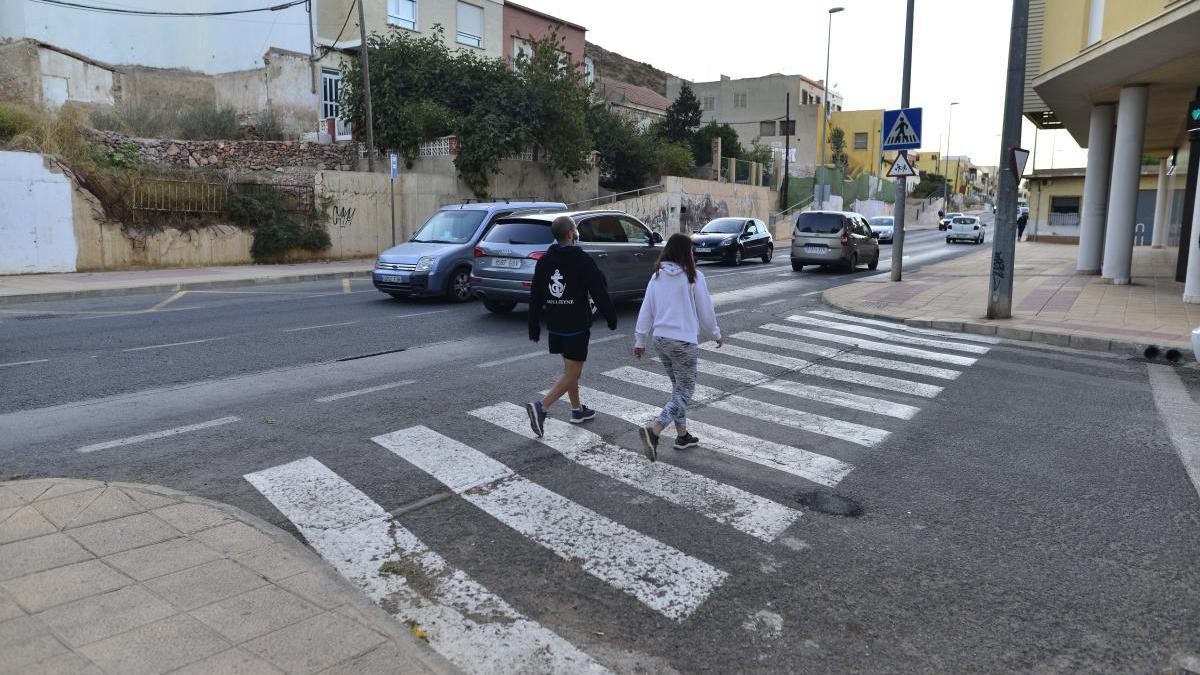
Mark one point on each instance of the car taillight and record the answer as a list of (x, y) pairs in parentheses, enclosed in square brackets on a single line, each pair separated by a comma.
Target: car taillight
[(845, 238), (479, 252), (536, 255)]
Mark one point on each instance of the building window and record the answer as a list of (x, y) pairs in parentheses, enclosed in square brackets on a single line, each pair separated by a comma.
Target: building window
[(708, 103), (804, 97), (1095, 21), (860, 140), (331, 92), (470, 25), (521, 46), (739, 100), (402, 13), (766, 128), (787, 128)]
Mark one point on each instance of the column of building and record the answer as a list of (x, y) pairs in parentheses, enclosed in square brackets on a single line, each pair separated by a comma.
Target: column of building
[(1123, 189), (1095, 189), (1162, 204)]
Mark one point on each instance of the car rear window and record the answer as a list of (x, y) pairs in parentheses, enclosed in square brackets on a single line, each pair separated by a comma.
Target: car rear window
[(819, 223), (518, 232)]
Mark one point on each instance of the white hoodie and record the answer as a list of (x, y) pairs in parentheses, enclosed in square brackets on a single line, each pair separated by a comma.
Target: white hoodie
[(675, 308)]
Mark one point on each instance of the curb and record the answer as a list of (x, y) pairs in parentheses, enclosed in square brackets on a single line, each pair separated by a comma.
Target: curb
[(179, 286), (1054, 338)]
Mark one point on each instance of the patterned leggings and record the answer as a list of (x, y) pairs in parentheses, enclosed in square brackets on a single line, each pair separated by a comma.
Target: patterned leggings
[(679, 360)]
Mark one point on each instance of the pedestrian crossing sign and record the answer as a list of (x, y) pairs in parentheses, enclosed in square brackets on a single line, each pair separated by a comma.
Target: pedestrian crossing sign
[(901, 167), (903, 129)]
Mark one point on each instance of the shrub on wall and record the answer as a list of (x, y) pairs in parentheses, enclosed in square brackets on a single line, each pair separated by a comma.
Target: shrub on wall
[(266, 213)]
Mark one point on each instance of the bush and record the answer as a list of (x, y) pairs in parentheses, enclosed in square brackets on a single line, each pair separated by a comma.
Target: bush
[(209, 123), (263, 210), (674, 159), (15, 120)]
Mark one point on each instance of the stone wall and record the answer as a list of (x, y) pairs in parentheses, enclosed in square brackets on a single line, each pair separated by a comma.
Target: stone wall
[(19, 72), (239, 155)]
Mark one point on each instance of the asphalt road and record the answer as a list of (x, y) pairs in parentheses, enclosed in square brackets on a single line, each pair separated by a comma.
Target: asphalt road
[(1024, 508)]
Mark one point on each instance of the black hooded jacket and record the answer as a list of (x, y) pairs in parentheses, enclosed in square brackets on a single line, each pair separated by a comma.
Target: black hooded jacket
[(562, 282)]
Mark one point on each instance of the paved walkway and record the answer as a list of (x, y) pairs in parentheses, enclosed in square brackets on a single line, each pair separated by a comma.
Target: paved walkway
[(1051, 303), (36, 287), (119, 578)]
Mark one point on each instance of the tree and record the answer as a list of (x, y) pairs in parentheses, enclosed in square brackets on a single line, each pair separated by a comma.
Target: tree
[(837, 147), (683, 117), (702, 143), (628, 155), (931, 185)]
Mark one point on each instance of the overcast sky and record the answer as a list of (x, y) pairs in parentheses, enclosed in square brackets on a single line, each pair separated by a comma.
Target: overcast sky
[(960, 52)]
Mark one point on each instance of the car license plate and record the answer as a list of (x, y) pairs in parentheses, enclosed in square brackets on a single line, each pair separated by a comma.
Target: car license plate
[(815, 248), (511, 263), (703, 249), (392, 278)]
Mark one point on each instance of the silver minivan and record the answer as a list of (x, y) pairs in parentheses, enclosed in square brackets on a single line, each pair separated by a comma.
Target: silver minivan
[(828, 238)]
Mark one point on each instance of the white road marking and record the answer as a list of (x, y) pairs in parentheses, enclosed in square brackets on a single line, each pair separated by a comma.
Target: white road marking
[(731, 311), (168, 301), (808, 465), (345, 285), (774, 302), (24, 363), (530, 355), (1181, 415), (405, 316), (836, 354), (753, 292), (871, 345), (827, 372), (850, 432), (325, 325), (368, 390), (726, 504), (661, 577), (172, 344), (472, 627), (821, 394), (907, 339), (805, 295), (158, 434), (969, 337)]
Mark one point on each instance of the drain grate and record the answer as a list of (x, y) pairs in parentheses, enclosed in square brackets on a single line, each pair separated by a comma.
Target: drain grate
[(830, 503), (35, 317)]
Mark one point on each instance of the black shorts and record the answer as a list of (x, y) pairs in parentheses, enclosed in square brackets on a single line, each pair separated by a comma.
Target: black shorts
[(573, 347)]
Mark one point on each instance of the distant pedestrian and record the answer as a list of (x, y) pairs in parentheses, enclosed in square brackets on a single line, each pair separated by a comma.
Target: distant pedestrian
[(563, 280), (676, 308), (1021, 221)]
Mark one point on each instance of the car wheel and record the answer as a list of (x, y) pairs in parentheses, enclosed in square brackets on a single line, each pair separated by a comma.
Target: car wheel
[(852, 263), (738, 256), (796, 267), (949, 240), (459, 287), (769, 254), (874, 264), (499, 306)]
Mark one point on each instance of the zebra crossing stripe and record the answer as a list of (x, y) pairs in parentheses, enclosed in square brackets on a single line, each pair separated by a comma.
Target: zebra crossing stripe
[(835, 354), (808, 465), (888, 335), (757, 516), (753, 292), (661, 577), (871, 345), (969, 337), (473, 628), (820, 394), (767, 412), (828, 372)]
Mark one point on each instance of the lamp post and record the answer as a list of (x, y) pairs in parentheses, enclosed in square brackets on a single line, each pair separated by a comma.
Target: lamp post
[(825, 103), (946, 169)]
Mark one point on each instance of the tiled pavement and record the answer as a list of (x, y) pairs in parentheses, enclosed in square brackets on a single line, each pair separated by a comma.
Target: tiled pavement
[(1051, 303), (118, 578)]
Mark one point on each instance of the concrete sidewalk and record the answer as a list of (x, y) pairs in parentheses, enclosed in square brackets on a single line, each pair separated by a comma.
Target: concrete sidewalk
[(118, 578), (41, 287), (1051, 304)]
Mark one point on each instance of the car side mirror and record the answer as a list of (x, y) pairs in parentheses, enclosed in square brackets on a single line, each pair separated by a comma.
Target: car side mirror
[(655, 238)]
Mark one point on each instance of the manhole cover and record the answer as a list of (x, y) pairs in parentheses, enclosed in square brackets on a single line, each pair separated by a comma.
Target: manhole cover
[(833, 504)]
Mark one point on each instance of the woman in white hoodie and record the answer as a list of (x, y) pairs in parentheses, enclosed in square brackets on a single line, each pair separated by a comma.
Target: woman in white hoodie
[(676, 308)]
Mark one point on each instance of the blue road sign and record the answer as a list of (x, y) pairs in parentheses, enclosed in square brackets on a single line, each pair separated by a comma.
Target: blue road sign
[(902, 129)]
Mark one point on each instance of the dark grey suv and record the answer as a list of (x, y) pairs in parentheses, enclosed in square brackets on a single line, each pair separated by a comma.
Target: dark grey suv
[(622, 246)]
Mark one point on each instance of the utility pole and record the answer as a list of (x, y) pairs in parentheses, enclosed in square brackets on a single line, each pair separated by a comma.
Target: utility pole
[(902, 181), (1004, 242), (825, 108), (946, 169), (366, 73), (787, 148)]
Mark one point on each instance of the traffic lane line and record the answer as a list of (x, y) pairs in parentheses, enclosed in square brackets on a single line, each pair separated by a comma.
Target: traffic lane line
[(172, 344), (540, 352), (131, 440), (326, 325), (360, 392), (23, 363)]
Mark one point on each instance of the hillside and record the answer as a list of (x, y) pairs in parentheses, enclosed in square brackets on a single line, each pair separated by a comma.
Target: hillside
[(612, 64)]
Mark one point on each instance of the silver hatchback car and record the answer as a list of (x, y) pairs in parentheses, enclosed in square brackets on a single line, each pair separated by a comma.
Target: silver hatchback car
[(840, 238)]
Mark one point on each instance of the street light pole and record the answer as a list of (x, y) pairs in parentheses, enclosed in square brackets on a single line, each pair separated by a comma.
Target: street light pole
[(902, 181), (825, 103), (946, 161)]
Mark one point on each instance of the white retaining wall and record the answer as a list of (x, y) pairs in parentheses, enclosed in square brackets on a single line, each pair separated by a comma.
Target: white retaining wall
[(37, 231)]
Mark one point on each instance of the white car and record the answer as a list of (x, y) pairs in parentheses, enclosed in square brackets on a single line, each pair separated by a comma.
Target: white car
[(965, 228), (884, 228)]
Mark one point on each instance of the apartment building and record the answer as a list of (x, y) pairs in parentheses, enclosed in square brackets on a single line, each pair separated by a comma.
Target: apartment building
[(862, 140), (1122, 78)]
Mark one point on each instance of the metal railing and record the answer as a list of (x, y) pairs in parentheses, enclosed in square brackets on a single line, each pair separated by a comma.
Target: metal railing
[(780, 215), (164, 196), (617, 196)]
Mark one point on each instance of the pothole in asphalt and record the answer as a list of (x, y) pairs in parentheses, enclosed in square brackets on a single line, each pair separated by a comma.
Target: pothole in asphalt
[(830, 503)]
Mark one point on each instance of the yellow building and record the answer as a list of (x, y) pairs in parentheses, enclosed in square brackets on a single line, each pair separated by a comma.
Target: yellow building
[(1056, 195), (862, 129), (1118, 75)]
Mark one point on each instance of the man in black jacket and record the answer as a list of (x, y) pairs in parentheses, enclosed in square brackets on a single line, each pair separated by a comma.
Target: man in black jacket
[(563, 281)]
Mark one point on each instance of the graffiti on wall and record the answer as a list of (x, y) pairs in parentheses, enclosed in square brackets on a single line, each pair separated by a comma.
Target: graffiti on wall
[(343, 216), (696, 210)]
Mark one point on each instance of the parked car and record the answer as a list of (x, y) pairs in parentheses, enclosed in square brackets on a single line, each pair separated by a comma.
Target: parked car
[(884, 228), (945, 222), (437, 259), (731, 240), (966, 228), (622, 246), (841, 238)]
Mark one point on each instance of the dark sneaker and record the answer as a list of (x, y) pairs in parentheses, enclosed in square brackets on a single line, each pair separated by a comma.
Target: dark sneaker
[(537, 417), (686, 441), (582, 415), (649, 442)]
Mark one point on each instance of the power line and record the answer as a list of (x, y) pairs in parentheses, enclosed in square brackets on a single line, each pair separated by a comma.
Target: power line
[(339, 35), (149, 12)]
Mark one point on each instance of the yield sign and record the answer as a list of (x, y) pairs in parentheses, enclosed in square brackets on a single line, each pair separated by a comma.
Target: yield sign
[(901, 167), (1019, 157), (903, 129)]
